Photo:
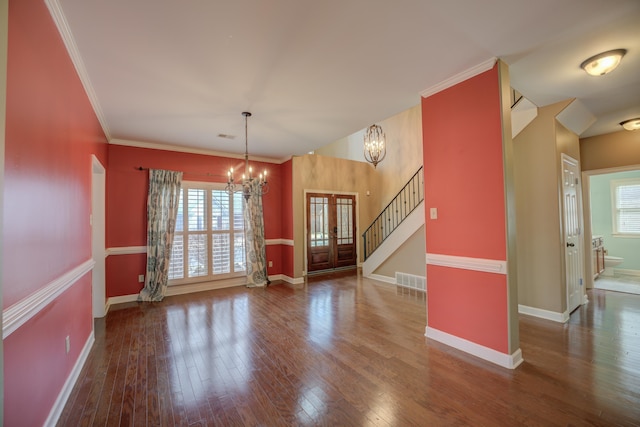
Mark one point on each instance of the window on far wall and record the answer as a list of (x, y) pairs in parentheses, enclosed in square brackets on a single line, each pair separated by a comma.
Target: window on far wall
[(625, 194), (209, 239)]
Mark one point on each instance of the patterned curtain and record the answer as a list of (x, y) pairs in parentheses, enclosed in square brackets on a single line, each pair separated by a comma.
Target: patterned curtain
[(254, 238), (162, 209)]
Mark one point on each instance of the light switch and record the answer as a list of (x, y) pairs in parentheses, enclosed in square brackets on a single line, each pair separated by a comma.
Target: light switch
[(433, 213)]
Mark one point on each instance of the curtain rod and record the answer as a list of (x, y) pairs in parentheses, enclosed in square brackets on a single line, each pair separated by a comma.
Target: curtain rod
[(141, 168)]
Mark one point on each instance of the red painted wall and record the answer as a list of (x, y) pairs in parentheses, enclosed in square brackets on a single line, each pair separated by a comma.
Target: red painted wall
[(463, 167), (127, 211), (51, 132)]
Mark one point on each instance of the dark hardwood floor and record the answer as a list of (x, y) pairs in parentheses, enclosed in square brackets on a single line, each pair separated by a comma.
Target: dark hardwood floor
[(349, 351)]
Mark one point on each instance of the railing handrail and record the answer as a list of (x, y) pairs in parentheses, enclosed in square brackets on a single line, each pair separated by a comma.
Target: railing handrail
[(385, 214)]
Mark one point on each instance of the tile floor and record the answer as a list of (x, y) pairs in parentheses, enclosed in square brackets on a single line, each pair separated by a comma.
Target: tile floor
[(619, 283)]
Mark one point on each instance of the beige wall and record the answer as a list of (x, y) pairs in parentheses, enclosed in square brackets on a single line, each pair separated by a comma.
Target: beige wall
[(403, 159), (313, 173), (612, 150), (537, 152), (404, 259), (404, 152)]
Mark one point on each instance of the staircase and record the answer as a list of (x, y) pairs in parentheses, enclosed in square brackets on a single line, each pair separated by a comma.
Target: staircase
[(400, 215)]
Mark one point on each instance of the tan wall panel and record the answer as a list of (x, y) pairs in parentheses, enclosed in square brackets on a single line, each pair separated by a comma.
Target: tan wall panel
[(611, 150)]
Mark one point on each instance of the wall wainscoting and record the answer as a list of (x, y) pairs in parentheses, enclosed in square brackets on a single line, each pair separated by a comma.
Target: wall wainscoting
[(19, 313), (129, 250), (466, 263)]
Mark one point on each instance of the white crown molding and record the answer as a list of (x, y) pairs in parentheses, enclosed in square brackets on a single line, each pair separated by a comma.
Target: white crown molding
[(475, 264), (55, 9), (543, 314), (19, 313), (285, 242), (190, 150), (510, 361), (460, 77), (64, 394)]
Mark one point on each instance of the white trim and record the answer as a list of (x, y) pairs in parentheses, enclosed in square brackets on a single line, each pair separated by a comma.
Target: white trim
[(121, 299), (205, 286), (381, 278), (475, 264), (182, 149), (510, 361), (126, 250), (459, 78), (284, 242), (285, 278), (64, 394), (67, 37), (627, 272), (545, 314), (19, 313)]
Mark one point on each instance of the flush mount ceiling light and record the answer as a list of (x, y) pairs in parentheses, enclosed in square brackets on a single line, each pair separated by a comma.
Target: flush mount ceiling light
[(631, 124), (603, 63)]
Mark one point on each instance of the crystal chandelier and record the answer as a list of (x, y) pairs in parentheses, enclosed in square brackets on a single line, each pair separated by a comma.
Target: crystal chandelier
[(374, 145), (245, 186)]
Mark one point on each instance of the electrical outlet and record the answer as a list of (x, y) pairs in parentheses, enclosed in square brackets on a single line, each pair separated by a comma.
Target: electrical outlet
[(67, 344), (141, 278), (270, 263)]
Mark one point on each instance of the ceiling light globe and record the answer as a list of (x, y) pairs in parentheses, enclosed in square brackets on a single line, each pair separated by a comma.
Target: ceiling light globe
[(631, 124), (603, 63)]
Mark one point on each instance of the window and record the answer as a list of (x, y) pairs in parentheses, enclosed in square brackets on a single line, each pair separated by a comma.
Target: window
[(209, 239), (625, 194)]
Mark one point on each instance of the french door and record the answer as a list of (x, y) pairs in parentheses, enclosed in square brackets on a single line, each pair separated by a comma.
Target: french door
[(331, 231)]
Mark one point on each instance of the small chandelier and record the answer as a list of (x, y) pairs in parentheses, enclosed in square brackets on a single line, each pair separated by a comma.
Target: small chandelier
[(375, 146), (247, 177)]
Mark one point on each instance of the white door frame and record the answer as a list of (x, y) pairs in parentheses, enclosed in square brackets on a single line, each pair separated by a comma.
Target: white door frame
[(98, 192), (573, 244)]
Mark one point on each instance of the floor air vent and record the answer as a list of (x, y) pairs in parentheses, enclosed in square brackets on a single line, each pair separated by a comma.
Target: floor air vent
[(411, 281)]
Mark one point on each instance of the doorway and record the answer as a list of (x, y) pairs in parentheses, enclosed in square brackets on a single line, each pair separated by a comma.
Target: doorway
[(331, 231), (574, 243), (98, 237)]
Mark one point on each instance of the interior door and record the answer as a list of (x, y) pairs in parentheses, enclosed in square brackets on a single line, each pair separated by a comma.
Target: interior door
[(331, 230), (573, 242)]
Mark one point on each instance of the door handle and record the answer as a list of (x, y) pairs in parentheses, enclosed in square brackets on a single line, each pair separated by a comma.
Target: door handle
[(570, 245)]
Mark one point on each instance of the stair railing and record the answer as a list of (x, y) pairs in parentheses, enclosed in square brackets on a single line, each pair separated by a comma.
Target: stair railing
[(407, 199)]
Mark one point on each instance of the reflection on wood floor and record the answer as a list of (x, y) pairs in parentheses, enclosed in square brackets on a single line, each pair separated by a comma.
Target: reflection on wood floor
[(349, 351)]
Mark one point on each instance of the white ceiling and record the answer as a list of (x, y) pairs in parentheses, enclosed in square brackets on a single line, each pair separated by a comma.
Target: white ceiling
[(181, 72)]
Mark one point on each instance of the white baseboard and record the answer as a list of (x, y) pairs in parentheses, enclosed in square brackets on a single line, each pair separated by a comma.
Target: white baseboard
[(381, 278), (626, 272), (64, 394), (510, 361), (119, 300), (545, 314), (205, 286), (285, 278)]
